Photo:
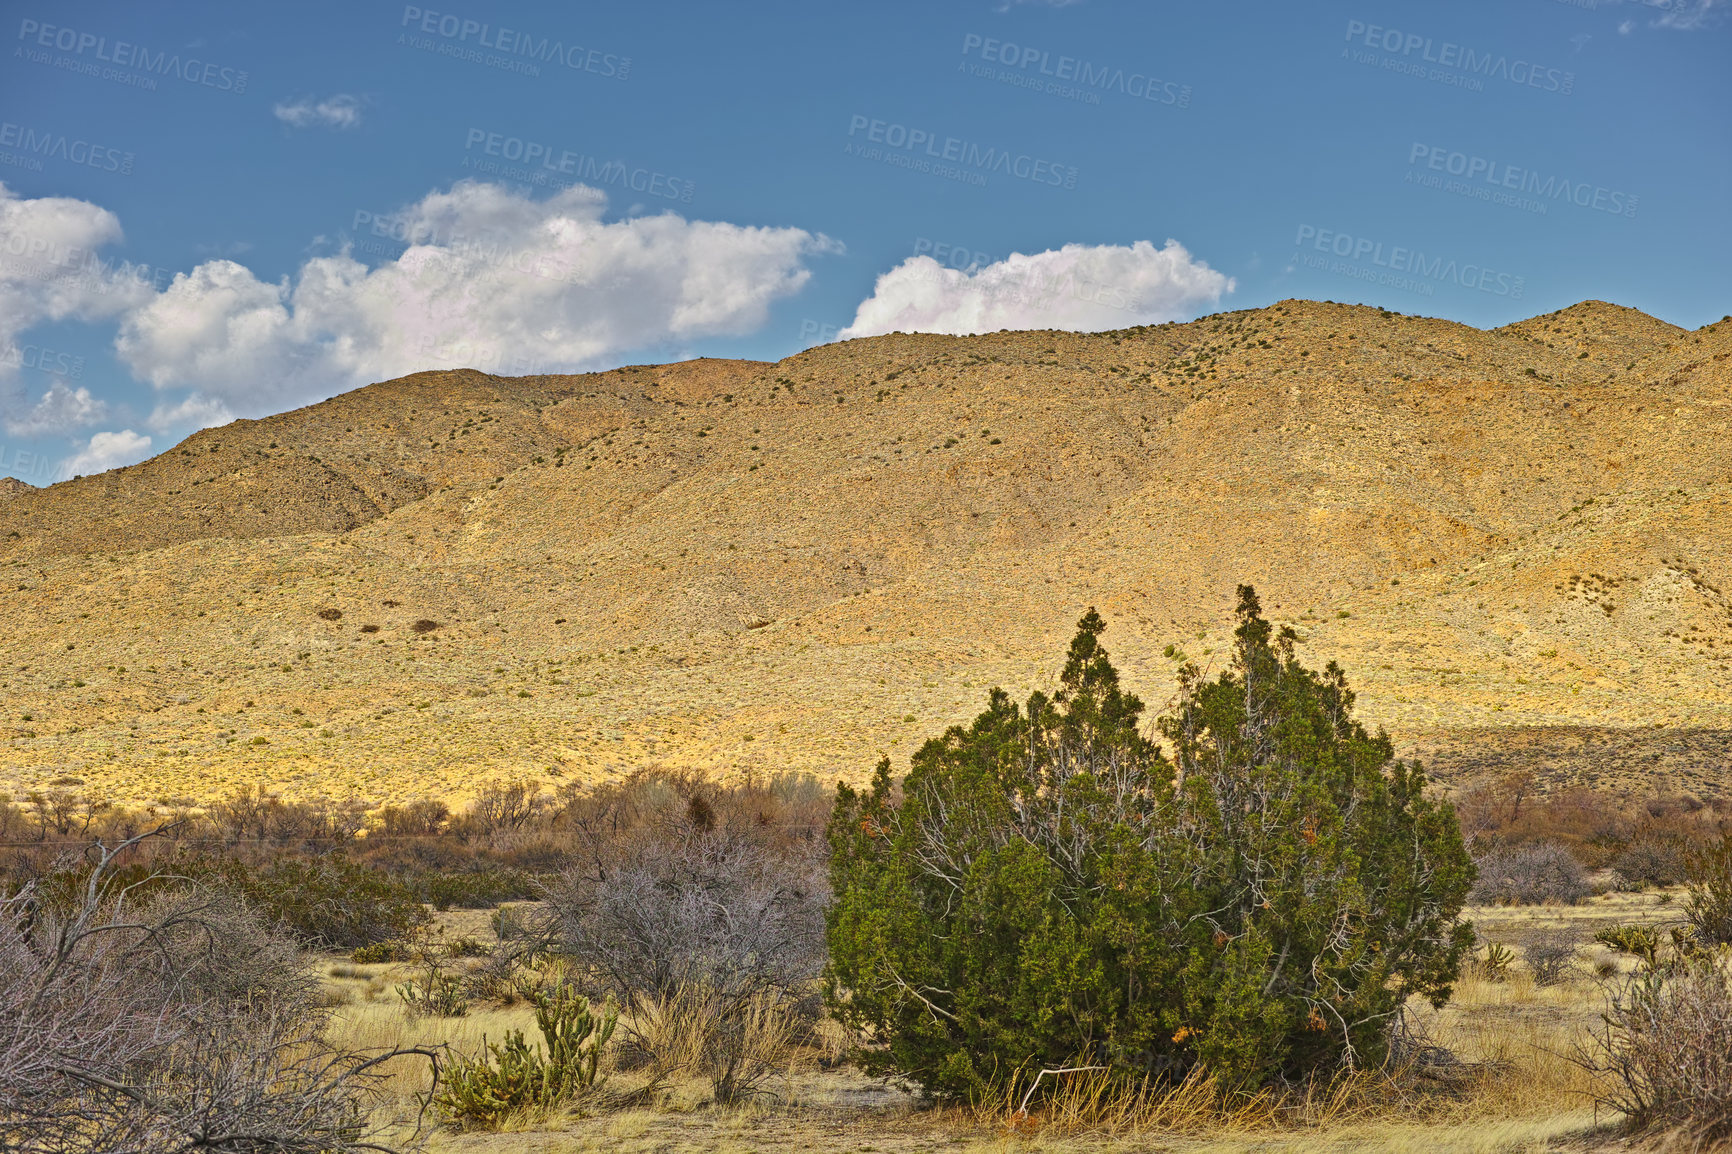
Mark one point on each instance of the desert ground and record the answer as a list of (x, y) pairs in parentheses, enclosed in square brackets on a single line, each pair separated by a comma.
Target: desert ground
[(1516, 1088)]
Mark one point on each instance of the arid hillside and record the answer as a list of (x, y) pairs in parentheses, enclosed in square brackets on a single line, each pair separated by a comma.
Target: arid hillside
[(1514, 539)]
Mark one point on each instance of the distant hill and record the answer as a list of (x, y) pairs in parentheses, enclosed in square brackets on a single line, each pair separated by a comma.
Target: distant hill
[(734, 565)]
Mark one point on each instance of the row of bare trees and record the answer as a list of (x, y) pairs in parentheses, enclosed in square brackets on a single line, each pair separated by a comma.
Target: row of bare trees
[(72, 814)]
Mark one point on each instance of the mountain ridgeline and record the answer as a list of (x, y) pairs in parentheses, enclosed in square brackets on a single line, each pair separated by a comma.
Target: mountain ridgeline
[(1516, 541)]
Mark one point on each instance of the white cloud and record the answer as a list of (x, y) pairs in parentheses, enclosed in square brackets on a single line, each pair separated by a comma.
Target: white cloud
[(104, 451), (1082, 288), (60, 411), (50, 269), (194, 411), (491, 280), (339, 111)]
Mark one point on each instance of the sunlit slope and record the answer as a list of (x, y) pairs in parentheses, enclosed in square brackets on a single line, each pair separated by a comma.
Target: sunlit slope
[(734, 565)]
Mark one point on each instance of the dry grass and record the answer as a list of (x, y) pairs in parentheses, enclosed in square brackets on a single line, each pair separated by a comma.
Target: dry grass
[(685, 1041), (383, 1023), (1515, 1090)]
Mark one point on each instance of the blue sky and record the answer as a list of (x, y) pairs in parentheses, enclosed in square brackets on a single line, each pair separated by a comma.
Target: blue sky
[(229, 210)]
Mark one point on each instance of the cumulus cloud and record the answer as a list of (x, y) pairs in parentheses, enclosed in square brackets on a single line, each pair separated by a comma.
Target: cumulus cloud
[(195, 411), (491, 279), (61, 410), (104, 451), (51, 270), (1082, 288), (339, 111)]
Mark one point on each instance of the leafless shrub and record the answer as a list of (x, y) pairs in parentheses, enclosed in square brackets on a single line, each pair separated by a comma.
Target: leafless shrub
[(1667, 1039), (1531, 875), (501, 806), (1595, 826), (1652, 861), (241, 814), (415, 819), (174, 1022), (715, 911), (64, 812), (703, 917), (262, 817), (424, 625), (1550, 953)]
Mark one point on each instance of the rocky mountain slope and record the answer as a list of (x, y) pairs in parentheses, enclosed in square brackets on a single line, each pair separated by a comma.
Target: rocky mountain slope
[(422, 584)]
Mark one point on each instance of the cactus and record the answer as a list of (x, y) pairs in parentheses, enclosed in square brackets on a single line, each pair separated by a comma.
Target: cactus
[(1640, 941), (1496, 963), (434, 994), (512, 1074)]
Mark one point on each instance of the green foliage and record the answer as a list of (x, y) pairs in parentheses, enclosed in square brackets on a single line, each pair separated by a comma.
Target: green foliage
[(513, 1075), (328, 902), (1051, 888), (473, 889)]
